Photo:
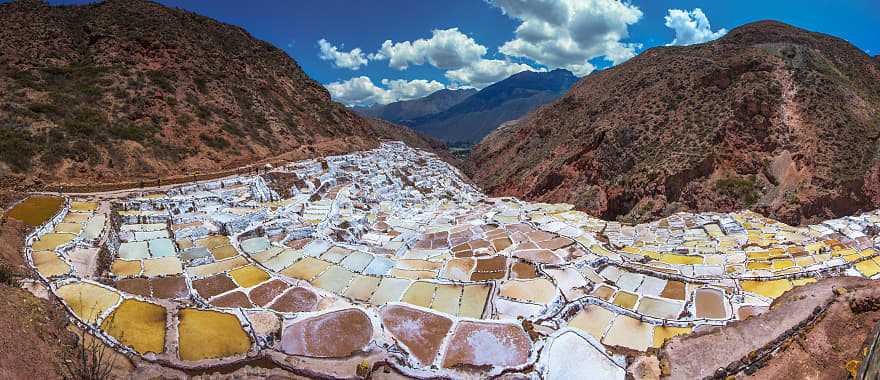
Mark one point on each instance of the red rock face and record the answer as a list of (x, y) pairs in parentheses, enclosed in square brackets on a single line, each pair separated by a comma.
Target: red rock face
[(420, 331), (333, 335), (755, 119), (487, 344)]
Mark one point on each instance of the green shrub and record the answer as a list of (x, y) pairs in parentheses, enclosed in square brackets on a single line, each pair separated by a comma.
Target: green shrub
[(738, 188), (17, 147), (216, 142)]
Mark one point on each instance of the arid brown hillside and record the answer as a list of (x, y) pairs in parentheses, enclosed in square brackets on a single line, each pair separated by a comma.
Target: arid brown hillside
[(769, 117), (126, 90)]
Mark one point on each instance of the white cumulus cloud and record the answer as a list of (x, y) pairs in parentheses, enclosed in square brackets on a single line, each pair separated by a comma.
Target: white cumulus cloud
[(569, 33), (691, 27), (353, 59), (485, 72), (361, 91), (447, 49)]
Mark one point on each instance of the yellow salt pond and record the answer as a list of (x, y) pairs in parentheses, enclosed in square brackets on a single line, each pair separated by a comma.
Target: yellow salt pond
[(868, 268), (139, 325), (206, 334), (49, 264), (630, 333), (51, 241), (671, 258), (70, 228), (664, 333), (473, 300), (537, 290), (126, 268), (162, 266), (88, 301), (447, 298), (362, 287), (248, 276), (593, 320), (420, 293), (84, 206), (770, 289), (36, 209)]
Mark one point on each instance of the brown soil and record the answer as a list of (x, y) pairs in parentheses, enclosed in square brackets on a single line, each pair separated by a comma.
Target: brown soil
[(823, 350), (33, 336), (741, 343)]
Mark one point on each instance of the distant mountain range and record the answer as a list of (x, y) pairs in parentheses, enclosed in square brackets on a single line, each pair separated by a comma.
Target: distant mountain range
[(466, 116), (405, 111), (770, 117)]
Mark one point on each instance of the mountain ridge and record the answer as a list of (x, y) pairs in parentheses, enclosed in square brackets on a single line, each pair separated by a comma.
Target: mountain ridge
[(769, 117), (405, 110), (478, 114), (128, 89)]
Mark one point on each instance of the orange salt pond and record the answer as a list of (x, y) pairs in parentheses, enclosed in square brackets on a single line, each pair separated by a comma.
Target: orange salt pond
[(335, 334), (88, 301), (206, 334), (139, 325), (36, 209)]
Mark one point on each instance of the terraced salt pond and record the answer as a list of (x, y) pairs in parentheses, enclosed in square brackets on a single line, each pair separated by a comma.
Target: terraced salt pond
[(426, 273)]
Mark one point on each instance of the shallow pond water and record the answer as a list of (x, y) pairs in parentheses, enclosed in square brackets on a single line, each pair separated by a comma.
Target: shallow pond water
[(36, 209)]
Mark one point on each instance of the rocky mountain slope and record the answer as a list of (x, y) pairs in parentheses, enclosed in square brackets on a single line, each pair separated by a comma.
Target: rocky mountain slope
[(769, 117), (509, 99), (129, 89), (406, 110)]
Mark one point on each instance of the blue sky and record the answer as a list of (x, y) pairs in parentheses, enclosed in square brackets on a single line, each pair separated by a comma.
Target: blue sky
[(473, 43)]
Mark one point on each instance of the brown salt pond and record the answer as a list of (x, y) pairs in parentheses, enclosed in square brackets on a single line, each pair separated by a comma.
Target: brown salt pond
[(484, 343), (420, 332), (139, 325), (335, 334), (36, 209), (206, 334), (710, 303), (295, 300)]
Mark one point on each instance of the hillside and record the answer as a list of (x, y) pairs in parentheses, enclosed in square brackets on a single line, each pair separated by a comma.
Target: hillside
[(127, 89), (407, 110), (509, 99), (769, 117)]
